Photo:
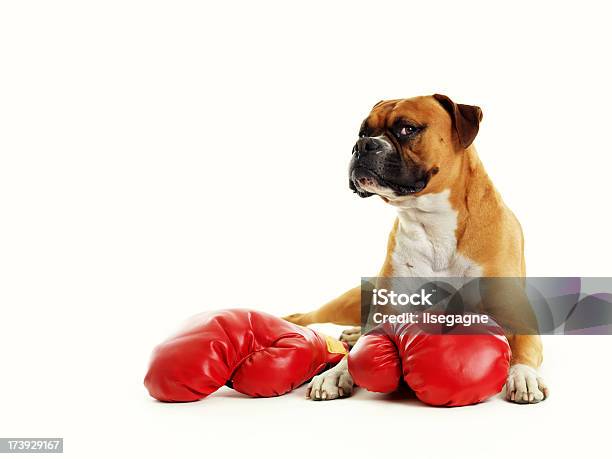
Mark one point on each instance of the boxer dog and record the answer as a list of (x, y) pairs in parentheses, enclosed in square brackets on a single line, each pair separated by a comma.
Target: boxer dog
[(418, 155)]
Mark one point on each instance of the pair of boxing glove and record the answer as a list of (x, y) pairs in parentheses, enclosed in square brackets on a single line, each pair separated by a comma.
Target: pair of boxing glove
[(261, 355), (255, 353), (443, 366)]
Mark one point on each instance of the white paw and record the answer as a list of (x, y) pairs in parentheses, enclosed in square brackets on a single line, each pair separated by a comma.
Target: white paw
[(351, 335), (333, 383), (524, 385)]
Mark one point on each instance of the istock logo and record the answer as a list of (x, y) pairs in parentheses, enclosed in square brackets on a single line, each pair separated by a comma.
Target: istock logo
[(384, 297)]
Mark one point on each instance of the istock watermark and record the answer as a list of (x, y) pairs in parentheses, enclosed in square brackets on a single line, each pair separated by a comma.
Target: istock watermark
[(531, 305), (425, 318), (31, 445), (383, 297)]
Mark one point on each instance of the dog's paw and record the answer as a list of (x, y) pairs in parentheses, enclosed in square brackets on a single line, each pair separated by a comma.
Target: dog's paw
[(524, 385), (331, 384), (351, 335), (298, 319)]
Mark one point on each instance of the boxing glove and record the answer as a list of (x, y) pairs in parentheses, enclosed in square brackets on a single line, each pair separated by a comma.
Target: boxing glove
[(453, 367), (374, 362), (255, 353)]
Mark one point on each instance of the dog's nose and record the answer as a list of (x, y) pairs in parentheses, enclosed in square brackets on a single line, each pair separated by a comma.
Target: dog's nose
[(366, 145)]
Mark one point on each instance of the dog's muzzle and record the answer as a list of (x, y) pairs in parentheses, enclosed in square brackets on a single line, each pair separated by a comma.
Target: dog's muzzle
[(376, 164)]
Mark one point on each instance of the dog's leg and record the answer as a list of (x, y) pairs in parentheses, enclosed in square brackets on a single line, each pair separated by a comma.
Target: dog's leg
[(331, 384), (351, 335), (344, 310), (507, 302), (524, 385)]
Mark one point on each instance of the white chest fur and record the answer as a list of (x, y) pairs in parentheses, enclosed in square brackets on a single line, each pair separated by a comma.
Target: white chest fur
[(425, 241)]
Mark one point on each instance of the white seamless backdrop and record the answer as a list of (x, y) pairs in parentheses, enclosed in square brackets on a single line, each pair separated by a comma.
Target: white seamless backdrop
[(162, 158)]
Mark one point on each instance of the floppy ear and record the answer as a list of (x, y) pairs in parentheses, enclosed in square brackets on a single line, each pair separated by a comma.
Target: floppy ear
[(466, 119)]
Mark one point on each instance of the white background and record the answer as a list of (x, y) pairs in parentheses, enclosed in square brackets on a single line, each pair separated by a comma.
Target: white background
[(164, 158)]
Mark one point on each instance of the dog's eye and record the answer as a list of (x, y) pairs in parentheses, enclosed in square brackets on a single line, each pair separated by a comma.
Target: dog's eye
[(407, 130)]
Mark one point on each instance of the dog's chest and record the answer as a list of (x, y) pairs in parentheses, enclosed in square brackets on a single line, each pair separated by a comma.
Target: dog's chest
[(425, 240)]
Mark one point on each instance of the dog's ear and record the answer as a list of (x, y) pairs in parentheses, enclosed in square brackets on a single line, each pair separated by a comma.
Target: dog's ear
[(466, 119)]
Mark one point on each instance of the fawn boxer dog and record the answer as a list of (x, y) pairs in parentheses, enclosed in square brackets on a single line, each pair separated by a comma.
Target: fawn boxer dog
[(418, 155)]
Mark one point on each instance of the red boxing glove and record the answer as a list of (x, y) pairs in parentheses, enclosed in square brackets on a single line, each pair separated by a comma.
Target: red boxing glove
[(253, 352), (374, 363), (450, 369)]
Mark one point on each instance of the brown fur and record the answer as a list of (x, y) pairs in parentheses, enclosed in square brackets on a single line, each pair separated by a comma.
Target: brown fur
[(487, 231)]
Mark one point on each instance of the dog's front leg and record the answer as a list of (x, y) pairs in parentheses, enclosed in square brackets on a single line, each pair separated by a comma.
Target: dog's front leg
[(344, 310), (331, 384), (505, 299), (524, 384)]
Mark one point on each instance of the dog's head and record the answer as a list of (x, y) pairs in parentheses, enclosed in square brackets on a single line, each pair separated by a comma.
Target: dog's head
[(410, 147)]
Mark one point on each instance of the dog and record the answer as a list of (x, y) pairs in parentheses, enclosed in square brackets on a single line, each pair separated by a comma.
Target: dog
[(418, 155)]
